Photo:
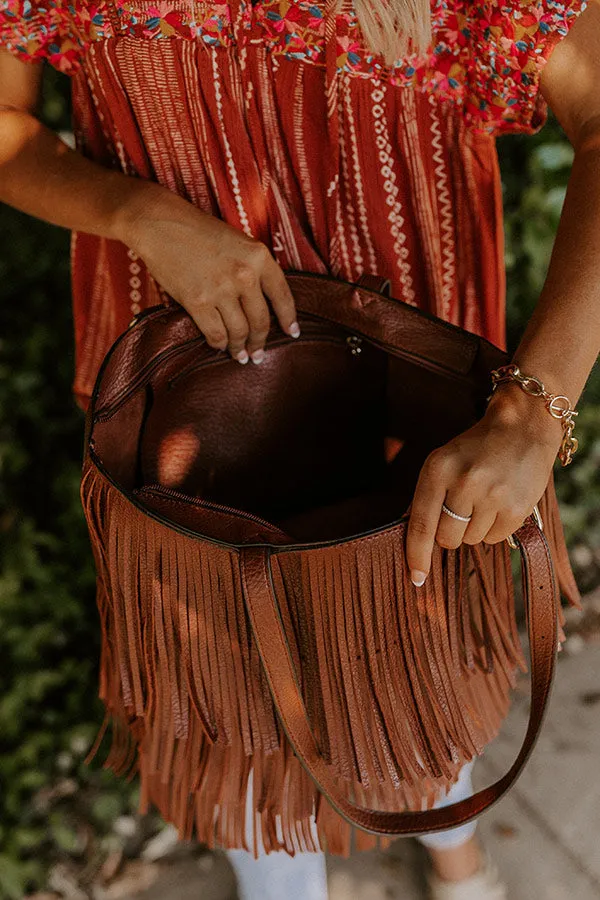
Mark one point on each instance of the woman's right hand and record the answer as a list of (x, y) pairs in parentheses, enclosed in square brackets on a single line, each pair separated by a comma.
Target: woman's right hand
[(224, 279)]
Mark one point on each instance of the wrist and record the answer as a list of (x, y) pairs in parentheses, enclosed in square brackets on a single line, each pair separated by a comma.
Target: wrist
[(509, 406), (137, 201)]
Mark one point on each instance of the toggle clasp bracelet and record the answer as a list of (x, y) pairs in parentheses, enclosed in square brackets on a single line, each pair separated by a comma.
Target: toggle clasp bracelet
[(557, 405)]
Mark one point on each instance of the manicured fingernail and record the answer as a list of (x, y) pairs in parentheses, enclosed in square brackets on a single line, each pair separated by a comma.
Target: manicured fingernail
[(258, 356), (295, 330), (417, 578), (242, 357)]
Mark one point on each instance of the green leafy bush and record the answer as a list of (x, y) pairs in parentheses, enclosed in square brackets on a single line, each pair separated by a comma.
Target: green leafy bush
[(49, 630), (49, 634)]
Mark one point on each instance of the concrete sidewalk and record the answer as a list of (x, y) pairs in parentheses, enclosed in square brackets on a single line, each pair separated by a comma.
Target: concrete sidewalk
[(545, 836)]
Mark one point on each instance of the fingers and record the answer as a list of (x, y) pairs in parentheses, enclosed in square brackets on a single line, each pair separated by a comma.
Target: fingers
[(506, 522), (275, 286), (244, 309), (490, 521), (237, 327), (259, 322), (247, 321), (424, 518), (484, 517), (210, 322), (482, 475), (450, 531)]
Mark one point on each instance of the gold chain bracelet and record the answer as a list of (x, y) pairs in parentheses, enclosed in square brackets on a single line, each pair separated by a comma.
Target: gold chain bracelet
[(557, 405)]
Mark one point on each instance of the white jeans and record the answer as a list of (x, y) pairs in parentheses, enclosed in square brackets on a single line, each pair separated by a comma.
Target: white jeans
[(278, 875)]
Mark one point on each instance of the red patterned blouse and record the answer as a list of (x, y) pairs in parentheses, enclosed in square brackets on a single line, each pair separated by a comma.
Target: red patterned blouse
[(226, 103)]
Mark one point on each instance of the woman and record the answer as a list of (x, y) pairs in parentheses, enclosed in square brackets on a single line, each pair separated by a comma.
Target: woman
[(221, 144)]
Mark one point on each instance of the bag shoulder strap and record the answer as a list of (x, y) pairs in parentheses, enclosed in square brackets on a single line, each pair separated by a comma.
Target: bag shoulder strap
[(267, 626)]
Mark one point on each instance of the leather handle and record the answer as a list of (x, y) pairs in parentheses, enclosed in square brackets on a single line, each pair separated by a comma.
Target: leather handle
[(377, 283), (542, 600)]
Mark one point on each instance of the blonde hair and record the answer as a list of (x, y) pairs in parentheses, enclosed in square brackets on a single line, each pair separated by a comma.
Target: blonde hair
[(395, 28)]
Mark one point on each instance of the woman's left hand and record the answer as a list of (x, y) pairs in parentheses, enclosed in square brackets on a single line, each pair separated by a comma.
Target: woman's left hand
[(496, 472)]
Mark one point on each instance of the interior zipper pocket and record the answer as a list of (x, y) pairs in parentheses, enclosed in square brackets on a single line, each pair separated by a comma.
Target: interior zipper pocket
[(208, 505), (106, 412), (351, 341)]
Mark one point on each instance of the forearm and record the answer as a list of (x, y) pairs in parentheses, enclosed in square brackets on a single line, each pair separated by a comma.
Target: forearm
[(43, 177), (562, 339)]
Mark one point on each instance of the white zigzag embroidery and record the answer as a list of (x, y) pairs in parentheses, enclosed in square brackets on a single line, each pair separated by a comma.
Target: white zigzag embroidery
[(358, 184), (444, 202), (357, 257), (231, 168), (395, 217)]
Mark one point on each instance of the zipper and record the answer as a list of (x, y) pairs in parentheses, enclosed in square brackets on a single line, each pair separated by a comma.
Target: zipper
[(351, 341), (133, 497), (107, 411), (207, 504)]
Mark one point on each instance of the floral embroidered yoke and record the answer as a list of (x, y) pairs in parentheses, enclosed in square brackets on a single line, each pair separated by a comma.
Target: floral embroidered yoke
[(275, 116)]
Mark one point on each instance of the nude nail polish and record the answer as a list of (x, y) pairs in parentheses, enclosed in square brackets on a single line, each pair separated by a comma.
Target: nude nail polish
[(417, 577)]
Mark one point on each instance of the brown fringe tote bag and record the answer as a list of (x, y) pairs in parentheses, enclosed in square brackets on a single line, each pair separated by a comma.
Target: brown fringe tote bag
[(257, 614)]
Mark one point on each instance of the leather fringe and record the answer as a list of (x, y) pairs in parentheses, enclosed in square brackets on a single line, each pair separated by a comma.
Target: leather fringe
[(401, 694)]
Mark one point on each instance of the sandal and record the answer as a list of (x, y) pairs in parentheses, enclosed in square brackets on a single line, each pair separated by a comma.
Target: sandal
[(483, 885)]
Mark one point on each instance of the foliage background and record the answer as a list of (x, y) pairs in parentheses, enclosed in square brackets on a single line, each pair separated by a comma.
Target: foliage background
[(53, 806)]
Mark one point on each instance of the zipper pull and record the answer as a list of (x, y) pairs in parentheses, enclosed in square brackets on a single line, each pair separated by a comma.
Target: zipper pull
[(354, 345)]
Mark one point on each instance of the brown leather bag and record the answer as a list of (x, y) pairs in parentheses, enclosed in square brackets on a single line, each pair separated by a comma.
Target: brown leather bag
[(248, 525)]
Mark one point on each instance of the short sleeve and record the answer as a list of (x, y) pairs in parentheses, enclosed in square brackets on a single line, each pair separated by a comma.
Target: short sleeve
[(54, 31), (510, 41)]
